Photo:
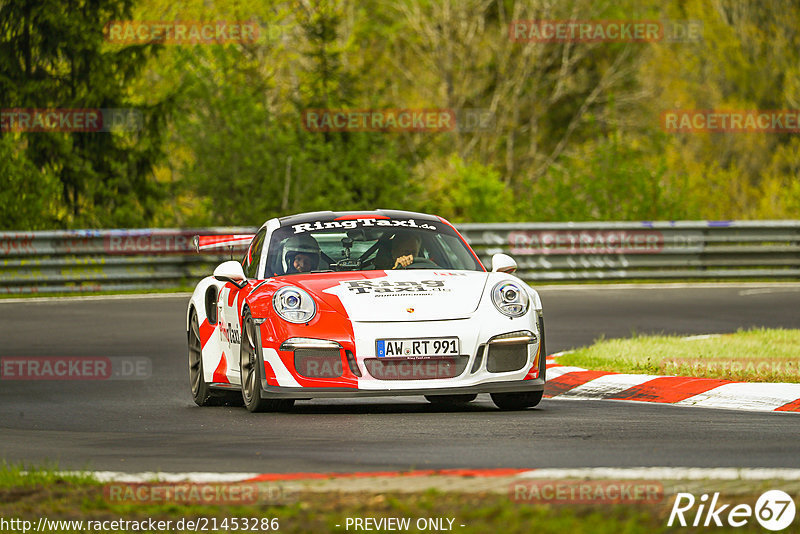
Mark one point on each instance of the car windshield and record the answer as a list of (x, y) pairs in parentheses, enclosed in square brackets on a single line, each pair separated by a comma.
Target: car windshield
[(367, 244)]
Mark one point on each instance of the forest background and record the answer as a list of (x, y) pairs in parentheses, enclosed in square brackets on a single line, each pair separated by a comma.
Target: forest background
[(576, 132)]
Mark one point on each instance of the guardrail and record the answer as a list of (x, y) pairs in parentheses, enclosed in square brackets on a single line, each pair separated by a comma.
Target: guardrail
[(643, 250), (113, 260), (77, 261)]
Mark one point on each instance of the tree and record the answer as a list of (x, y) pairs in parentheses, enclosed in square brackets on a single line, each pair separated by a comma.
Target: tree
[(53, 55), (251, 157)]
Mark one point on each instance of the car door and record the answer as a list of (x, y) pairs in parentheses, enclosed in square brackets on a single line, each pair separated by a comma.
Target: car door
[(230, 305)]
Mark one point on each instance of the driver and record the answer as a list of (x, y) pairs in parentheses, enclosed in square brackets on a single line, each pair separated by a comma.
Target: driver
[(300, 254), (405, 247)]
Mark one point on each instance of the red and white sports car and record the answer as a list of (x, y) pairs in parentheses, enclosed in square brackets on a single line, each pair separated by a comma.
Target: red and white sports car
[(348, 304)]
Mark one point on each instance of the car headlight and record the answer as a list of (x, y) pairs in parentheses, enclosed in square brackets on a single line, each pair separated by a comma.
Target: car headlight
[(510, 299), (294, 305)]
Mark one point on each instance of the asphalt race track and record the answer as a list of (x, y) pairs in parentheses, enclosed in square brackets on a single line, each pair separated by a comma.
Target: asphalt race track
[(152, 424)]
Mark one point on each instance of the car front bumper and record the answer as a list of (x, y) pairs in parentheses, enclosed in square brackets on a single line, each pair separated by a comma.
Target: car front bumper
[(477, 376), (517, 386)]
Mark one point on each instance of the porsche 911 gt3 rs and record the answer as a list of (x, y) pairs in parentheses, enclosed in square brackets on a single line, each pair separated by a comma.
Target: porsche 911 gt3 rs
[(349, 304)]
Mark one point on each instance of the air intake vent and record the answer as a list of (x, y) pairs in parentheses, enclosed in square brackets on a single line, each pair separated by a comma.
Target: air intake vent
[(318, 363), (504, 358)]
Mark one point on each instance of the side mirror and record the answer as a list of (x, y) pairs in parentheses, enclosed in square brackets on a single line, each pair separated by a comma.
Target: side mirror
[(503, 263), (231, 271)]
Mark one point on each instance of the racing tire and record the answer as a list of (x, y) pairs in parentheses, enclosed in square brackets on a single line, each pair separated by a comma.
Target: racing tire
[(202, 393), (451, 400), (517, 401), (251, 370)]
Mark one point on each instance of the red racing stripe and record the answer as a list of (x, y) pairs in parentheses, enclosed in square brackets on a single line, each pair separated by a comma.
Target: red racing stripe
[(502, 472), (220, 373), (669, 389), (534, 370), (568, 381), (793, 406), (269, 374), (233, 292), (354, 217), (205, 332)]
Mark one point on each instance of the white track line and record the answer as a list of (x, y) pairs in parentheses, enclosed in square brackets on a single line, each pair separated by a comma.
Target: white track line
[(667, 473), (666, 285), (757, 396), (133, 296), (152, 476)]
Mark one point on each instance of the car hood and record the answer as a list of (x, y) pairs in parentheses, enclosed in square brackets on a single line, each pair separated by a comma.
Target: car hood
[(403, 295)]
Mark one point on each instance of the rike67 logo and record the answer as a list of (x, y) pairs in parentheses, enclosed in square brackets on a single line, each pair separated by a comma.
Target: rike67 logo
[(774, 510)]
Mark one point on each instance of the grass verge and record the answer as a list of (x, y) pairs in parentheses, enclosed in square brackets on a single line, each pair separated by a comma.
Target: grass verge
[(756, 355), (46, 494)]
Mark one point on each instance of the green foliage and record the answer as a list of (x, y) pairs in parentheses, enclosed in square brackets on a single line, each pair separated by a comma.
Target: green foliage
[(611, 178), (53, 56), (29, 196), (462, 192), (252, 158), (577, 133)]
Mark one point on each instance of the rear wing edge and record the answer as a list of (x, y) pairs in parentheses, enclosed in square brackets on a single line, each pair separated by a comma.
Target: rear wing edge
[(203, 243)]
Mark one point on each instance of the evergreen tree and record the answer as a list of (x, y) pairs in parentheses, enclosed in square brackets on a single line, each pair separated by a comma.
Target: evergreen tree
[(53, 54)]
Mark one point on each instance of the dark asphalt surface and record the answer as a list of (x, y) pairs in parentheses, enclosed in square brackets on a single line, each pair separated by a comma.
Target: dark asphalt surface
[(153, 425)]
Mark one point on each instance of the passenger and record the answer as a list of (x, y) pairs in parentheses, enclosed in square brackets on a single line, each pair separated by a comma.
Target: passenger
[(303, 262)]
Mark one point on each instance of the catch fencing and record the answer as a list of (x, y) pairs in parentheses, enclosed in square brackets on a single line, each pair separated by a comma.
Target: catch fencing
[(115, 260)]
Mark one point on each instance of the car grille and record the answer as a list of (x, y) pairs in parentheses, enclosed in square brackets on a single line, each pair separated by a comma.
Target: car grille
[(504, 358), (415, 368), (318, 363)]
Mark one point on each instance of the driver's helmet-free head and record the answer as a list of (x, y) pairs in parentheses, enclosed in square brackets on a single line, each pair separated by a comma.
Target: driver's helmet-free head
[(299, 244), (405, 243)]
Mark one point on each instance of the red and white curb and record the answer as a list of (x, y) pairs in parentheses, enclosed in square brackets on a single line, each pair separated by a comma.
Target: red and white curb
[(205, 477), (578, 383), (461, 480)]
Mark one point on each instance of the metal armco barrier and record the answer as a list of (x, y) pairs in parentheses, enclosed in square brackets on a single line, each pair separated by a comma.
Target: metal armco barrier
[(643, 250), (112, 260), (76, 261)]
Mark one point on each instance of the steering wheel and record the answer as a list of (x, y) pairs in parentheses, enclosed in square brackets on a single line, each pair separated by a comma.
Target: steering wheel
[(421, 263)]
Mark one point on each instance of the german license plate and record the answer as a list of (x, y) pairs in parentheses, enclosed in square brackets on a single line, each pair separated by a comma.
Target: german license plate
[(417, 348)]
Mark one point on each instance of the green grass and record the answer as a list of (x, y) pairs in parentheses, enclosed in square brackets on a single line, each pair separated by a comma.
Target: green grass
[(757, 355), (17, 476), (29, 494)]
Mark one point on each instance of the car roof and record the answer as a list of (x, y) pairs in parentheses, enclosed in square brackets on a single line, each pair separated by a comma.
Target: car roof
[(323, 216)]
